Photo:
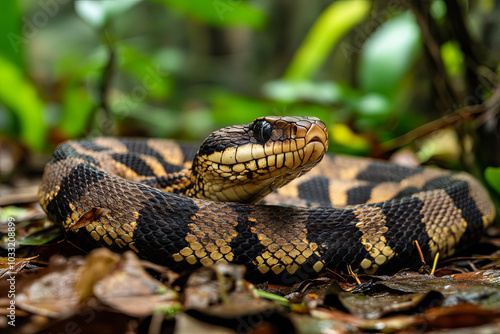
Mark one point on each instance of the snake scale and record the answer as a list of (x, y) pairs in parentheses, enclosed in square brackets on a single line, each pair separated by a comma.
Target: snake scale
[(236, 198)]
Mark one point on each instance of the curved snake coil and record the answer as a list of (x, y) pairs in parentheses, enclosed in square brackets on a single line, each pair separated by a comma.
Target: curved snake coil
[(185, 207)]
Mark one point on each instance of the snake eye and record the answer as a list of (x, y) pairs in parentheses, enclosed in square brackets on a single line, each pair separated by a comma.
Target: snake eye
[(262, 131)]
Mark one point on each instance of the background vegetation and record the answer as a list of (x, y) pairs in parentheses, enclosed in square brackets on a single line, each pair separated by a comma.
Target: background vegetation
[(415, 81)]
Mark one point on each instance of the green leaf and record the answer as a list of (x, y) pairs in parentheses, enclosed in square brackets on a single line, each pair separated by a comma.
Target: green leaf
[(21, 97), (154, 80), (492, 176), (438, 10), (79, 102), (388, 54), (453, 58), (169, 310), (271, 296), (487, 6), (11, 211), (373, 112), (10, 30), (332, 24), (77, 109), (222, 13), (443, 144), (98, 13), (344, 140), (41, 237)]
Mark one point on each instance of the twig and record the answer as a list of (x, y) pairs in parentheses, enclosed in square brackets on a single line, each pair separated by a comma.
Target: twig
[(420, 252), (454, 118), (156, 322), (436, 258), (473, 267), (349, 270), (20, 196)]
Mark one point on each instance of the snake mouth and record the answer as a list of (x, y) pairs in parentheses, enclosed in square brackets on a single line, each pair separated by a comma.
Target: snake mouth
[(315, 140)]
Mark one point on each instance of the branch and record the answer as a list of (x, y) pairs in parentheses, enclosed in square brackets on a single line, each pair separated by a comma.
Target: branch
[(492, 104)]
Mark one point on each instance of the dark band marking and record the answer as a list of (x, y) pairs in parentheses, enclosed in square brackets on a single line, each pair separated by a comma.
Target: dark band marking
[(134, 162), (336, 234), (383, 172), (188, 150), (359, 195), (440, 182), (137, 146), (73, 186), (459, 193), (406, 192), (214, 145), (92, 146), (245, 246), (218, 140), (401, 233), (65, 151), (316, 190), (162, 226), (141, 147)]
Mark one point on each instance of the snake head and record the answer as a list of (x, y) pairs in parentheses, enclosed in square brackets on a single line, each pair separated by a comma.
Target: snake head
[(244, 163)]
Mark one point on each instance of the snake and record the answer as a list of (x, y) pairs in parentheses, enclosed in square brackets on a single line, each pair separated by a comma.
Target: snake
[(265, 195)]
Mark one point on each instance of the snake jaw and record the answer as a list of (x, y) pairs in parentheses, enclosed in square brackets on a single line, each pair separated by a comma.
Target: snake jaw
[(236, 164)]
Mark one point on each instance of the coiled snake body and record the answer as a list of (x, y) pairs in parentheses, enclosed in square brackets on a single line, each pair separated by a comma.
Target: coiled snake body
[(184, 208)]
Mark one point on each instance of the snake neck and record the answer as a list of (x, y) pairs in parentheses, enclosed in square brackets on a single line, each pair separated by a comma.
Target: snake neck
[(222, 183), (189, 182), (204, 181)]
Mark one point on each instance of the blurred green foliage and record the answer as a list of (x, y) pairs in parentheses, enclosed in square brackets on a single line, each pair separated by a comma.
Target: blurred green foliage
[(492, 175), (10, 23), (219, 12), (21, 97), (334, 22), (180, 69)]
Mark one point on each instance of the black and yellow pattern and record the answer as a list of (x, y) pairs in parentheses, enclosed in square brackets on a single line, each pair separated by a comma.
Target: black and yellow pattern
[(133, 194)]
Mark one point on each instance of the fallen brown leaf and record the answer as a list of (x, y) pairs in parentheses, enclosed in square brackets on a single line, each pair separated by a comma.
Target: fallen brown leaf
[(464, 315), (16, 266), (98, 264), (129, 289), (50, 292)]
